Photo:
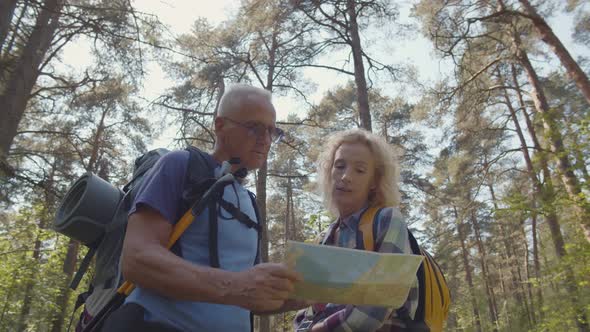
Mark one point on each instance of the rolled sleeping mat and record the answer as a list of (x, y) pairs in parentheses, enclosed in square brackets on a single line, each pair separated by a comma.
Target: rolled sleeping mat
[(87, 208)]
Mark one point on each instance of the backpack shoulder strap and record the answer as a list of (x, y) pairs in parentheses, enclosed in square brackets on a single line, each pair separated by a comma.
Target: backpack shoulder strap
[(260, 230), (200, 164), (419, 315), (367, 228)]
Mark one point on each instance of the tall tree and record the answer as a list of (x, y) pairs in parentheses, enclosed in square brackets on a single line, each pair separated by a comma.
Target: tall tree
[(343, 21), (547, 35), (17, 89)]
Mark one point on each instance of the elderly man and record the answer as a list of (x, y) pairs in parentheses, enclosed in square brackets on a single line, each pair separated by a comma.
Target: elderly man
[(184, 293)]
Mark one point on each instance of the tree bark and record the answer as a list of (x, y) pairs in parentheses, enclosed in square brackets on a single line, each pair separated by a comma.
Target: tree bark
[(21, 80), (573, 70), (7, 8), (526, 261), (261, 202), (263, 174), (359, 68), (491, 298), (27, 299), (467, 268), (568, 177), (555, 139), (538, 194), (509, 252)]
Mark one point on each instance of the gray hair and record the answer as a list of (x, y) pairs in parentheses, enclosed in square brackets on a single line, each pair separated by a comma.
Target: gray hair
[(238, 93)]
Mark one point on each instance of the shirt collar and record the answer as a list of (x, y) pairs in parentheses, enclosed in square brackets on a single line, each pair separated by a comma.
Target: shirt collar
[(353, 218)]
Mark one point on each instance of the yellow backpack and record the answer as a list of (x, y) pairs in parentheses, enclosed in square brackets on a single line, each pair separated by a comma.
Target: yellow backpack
[(434, 294)]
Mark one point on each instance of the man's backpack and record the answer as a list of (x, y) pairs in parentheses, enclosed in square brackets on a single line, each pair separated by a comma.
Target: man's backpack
[(94, 212), (434, 294)]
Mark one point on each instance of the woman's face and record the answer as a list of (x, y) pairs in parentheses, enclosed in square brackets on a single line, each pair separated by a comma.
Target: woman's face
[(353, 177)]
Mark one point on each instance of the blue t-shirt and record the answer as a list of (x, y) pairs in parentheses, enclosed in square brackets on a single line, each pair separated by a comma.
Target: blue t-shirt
[(162, 190)]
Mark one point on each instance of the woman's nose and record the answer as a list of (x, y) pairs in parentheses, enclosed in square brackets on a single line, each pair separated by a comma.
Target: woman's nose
[(346, 176)]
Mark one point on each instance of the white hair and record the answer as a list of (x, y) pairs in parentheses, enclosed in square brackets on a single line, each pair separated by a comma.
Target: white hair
[(239, 93)]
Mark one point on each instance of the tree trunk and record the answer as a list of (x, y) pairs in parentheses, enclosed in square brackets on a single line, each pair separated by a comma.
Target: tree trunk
[(262, 176), (65, 292), (485, 274), (288, 213), (527, 271), (555, 141), (7, 8), (509, 251), (27, 299), (5, 323), (538, 194), (359, 68), (573, 70), (21, 80), (568, 177), (261, 202), (467, 268)]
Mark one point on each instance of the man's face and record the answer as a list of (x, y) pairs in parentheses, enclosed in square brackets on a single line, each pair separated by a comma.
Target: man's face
[(245, 132)]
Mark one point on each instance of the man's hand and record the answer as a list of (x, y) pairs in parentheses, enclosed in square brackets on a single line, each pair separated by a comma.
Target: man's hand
[(265, 287)]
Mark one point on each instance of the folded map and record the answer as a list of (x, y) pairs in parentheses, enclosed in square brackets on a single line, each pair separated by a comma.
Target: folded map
[(349, 276)]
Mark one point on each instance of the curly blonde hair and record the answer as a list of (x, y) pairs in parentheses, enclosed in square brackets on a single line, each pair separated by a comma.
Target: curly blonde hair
[(386, 167)]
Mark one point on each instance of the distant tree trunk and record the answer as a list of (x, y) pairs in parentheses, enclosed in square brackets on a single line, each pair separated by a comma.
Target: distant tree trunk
[(288, 213), (359, 68), (509, 252), (491, 298), (581, 163), (546, 192), (64, 294), (536, 263), (467, 268), (7, 8), (71, 259), (538, 193), (49, 202), (261, 202), (28, 296), (526, 261), (20, 82), (8, 300), (573, 70), (569, 179), (454, 281), (555, 141)]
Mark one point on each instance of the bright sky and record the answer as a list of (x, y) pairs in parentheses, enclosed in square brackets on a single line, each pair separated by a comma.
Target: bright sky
[(179, 15)]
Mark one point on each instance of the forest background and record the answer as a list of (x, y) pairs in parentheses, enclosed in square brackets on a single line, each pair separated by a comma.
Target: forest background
[(487, 100)]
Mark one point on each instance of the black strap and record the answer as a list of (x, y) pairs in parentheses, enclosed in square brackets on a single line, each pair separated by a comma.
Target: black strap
[(257, 212), (82, 297), (83, 267), (239, 215), (419, 315), (213, 243)]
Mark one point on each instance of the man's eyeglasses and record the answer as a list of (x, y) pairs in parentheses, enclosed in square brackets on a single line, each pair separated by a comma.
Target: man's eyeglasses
[(259, 130)]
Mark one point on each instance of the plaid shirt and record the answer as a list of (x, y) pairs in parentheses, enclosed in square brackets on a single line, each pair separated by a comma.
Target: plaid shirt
[(392, 237)]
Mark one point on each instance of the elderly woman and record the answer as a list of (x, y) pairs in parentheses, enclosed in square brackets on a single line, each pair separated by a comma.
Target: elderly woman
[(358, 170)]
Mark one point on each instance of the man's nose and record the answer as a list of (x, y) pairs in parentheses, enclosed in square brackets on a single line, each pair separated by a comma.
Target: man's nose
[(264, 139)]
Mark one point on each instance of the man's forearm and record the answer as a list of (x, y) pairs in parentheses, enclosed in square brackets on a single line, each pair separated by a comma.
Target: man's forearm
[(158, 269)]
